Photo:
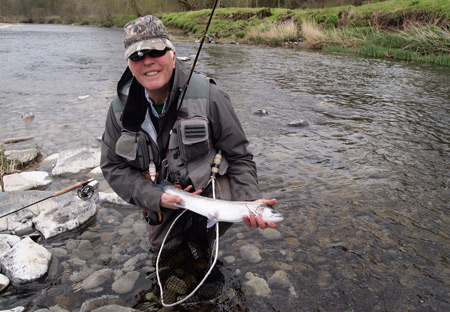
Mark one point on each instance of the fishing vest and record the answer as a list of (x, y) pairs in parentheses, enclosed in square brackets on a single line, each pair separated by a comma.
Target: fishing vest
[(190, 150)]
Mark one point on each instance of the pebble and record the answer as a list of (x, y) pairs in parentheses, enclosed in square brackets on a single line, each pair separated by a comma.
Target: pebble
[(125, 283), (270, 234), (257, 285), (96, 279), (250, 253)]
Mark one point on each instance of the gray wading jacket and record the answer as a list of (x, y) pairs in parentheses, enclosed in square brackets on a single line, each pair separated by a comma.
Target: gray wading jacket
[(127, 113)]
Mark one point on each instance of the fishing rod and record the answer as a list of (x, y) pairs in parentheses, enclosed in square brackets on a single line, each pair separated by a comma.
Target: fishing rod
[(86, 190), (197, 55)]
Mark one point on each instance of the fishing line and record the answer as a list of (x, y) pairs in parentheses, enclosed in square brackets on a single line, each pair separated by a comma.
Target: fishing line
[(197, 55)]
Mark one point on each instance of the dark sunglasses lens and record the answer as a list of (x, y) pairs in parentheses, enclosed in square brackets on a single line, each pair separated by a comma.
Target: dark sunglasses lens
[(157, 53), (139, 56)]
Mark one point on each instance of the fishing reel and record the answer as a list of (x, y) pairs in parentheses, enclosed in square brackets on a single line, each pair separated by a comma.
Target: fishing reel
[(87, 191)]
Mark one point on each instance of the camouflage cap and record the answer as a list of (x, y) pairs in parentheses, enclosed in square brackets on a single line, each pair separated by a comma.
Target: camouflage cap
[(145, 33)]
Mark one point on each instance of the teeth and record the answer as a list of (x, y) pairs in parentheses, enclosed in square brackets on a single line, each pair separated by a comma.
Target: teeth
[(152, 73)]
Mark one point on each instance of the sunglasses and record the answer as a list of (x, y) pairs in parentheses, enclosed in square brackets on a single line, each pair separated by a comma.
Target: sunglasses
[(140, 55)]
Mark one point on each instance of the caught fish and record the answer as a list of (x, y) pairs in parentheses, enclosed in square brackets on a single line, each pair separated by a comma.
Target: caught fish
[(219, 209)]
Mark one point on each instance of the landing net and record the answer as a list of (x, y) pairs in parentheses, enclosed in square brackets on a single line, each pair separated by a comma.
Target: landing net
[(185, 265)]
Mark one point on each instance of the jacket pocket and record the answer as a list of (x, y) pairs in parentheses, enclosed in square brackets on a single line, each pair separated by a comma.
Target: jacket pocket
[(133, 147), (193, 138)]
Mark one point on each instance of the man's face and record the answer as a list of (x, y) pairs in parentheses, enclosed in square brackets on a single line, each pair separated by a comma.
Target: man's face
[(154, 74)]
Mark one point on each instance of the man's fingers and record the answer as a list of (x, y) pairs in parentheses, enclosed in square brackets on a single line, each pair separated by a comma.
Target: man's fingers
[(261, 223)]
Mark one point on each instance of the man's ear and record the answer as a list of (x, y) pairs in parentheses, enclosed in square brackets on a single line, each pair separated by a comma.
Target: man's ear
[(174, 59)]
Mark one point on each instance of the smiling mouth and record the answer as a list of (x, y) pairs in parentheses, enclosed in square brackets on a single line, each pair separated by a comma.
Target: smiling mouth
[(151, 73)]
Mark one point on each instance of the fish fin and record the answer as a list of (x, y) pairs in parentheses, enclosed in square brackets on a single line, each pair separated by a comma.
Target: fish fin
[(180, 205), (210, 223)]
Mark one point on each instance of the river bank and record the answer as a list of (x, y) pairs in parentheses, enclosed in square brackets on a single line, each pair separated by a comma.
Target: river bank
[(405, 30), (399, 29)]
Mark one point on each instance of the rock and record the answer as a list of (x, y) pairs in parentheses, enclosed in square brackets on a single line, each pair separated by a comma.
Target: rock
[(4, 247), (49, 162), (4, 282), (257, 285), (26, 180), (63, 213), (17, 309), (270, 234), (131, 263), (95, 173), (25, 262), (95, 303), (73, 161), (96, 279), (229, 259), (261, 112), (55, 308), (21, 228), (298, 123), (250, 253), (28, 117), (11, 240), (281, 278), (114, 308), (22, 157), (3, 225), (112, 198), (125, 283)]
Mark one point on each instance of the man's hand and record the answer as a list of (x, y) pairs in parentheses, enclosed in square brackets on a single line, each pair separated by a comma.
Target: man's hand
[(170, 201), (256, 221)]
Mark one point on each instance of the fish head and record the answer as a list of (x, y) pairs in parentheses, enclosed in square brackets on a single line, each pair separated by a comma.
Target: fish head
[(268, 213)]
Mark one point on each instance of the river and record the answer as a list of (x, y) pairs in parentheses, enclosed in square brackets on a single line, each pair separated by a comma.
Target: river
[(363, 182)]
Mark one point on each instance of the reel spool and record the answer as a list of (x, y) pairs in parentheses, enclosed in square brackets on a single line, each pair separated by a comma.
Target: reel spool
[(87, 191)]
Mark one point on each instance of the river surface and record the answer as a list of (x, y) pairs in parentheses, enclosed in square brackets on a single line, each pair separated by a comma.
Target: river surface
[(363, 182)]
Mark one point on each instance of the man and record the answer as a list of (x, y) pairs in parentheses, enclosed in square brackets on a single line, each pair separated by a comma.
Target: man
[(150, 136)]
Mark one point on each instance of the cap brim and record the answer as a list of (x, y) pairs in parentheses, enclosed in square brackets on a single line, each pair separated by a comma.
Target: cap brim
[(149, 44)]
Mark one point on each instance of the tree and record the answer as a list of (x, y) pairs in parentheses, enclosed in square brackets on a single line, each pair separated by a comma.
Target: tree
[(135, 7), (5, 8), (189, 5)]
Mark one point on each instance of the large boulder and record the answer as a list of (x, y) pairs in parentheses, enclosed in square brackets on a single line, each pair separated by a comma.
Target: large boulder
[(74, 161), (63, 213), (22, 157), (25, 262), (26, 180)]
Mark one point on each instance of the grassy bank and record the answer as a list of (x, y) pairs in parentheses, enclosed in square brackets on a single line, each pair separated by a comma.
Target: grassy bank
[(408, 30)]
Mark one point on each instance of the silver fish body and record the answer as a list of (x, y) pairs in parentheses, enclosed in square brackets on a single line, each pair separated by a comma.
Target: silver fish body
[(223, 210)]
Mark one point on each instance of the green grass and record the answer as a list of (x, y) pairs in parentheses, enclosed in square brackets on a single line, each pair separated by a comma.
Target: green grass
[(374, 29)]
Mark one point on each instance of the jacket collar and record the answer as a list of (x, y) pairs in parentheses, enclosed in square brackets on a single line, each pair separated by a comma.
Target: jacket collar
[(134, 94)]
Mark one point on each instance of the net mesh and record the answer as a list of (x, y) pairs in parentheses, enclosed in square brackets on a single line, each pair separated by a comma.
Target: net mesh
[(185, 265)]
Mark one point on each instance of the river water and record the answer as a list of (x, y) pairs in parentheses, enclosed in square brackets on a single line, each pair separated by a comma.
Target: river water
[(363, 183)]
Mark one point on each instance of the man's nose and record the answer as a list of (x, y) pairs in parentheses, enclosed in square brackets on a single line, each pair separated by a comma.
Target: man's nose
[(148, 58)]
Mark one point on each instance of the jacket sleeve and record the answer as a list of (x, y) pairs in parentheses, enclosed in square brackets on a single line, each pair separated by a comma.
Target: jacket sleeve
[(229, 136), (129, 183)]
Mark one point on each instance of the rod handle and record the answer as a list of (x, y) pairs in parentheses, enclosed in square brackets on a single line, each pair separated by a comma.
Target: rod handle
[(71, 187)]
